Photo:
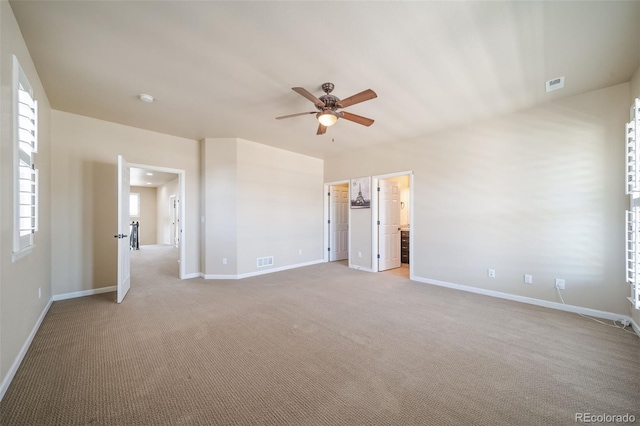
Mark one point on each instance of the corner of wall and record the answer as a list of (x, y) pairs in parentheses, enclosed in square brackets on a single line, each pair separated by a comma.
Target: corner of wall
[(635, 84), (218, 168)]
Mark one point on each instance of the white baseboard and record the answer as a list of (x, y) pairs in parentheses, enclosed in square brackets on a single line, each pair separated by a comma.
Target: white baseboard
[(530, 300), (193, 275), (219, 277), (6, 381), (635, 326), (360, 268), (282, 268), (256, 273), (83, 293)]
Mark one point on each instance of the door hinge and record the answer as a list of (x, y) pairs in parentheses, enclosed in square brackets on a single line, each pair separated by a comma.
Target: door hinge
[(328, 248), (378, 256), (378, 223), (329, 221), (378, 189), (328, 194)]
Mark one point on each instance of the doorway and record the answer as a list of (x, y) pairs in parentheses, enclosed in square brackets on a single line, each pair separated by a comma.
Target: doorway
[(160, 218), (392, 217), (174, 220), (337, 222)]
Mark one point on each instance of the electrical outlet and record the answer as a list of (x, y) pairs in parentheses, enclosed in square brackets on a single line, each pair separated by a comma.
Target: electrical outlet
[(224, 260), (300, 252), (491, 273), (560, 283), (39, 292), (359, 254), (528, 279)]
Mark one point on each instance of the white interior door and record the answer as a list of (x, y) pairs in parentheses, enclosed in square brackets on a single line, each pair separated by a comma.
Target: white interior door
[(389, 226), (174, 219), (176, 228), (339, 222), (124, 260)]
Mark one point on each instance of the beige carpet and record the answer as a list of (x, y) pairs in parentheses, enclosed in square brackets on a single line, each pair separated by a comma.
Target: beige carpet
[(320, 345)]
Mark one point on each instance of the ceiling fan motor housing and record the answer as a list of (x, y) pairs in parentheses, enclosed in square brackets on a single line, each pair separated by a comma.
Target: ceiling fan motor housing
[(330, 101), (327, 88)]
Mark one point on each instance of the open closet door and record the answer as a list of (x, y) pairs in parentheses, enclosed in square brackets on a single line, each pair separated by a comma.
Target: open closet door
[(124, 260), (339, 222), (388, 225)]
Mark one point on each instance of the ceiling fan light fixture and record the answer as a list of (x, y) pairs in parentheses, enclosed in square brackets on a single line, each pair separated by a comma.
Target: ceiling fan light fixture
[(145, 98), (327, 118)]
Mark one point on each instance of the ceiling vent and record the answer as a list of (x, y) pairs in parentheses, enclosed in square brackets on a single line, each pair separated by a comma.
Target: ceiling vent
[(555, 84)]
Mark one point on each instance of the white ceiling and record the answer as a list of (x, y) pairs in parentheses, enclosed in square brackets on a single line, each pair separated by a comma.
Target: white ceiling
[(225, 69), (149, 178)]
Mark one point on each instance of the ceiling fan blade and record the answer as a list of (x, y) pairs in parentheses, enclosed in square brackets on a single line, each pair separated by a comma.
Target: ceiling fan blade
[(356, 118), (295, 115), (321, 129), (357, 98), (304, 92)]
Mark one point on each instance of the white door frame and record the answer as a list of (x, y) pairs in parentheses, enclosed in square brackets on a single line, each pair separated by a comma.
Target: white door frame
[(181, 196), (123, 236), (374, 216), (327, 209), (174, 220)]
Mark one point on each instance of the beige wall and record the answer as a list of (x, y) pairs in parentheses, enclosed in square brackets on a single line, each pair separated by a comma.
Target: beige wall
[(535, 192), (279, 206), (635, 93), (84, 176), (148, 214), (20, 306), (163, 211), (219, 159), (635, 84), (360, 237), (260, 201)]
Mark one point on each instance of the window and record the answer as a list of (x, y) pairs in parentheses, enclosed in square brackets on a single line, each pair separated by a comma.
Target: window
[(25, 115), (632, 149), (134, 204)]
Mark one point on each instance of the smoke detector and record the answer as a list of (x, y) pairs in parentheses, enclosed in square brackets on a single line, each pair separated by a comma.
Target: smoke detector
[(146, 98), (555, 84)]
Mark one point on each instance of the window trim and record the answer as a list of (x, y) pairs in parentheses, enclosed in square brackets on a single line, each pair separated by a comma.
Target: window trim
[(632, 154), (21, 245), (138, 203)]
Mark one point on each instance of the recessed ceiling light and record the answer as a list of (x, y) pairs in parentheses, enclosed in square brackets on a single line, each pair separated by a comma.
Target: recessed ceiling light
[(148, 183), (145, 98), (149, 174)]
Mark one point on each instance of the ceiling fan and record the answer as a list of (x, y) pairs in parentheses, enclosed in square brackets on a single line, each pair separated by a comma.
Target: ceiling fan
[(329, 104)]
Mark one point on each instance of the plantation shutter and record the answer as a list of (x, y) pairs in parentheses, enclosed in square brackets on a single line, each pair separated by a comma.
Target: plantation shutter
[(633, 215), (26, 186)]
